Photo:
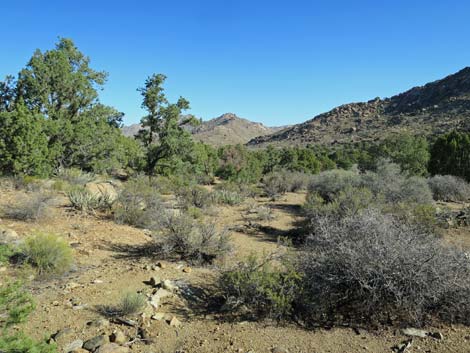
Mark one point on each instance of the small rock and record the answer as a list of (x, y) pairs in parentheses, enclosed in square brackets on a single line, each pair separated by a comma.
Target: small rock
[(155, 302), (414, 332), (95, 342), (279, 350), (118, 337), (187, 269), (174, 322), (98, 323), (161, 265), (154, 281), (97, 281), (436, 335), (55, 303), (168, 285), (73, 346), (158, 316), (112, 348), (162, 293), (71, 285)]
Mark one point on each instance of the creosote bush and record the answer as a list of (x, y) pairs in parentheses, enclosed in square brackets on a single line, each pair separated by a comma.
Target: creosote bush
[(139, 204), (34, 207), (372, 268), (449, 188), (184, 238), (48, 253), (267, 291)]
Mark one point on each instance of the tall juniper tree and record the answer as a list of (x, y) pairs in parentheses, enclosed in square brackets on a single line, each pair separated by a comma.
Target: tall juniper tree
[(165, 141)]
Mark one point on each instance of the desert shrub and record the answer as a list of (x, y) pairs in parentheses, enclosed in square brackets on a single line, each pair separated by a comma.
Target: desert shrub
[(75, 176), (329, 183), (194, 196), (396, 186), (265, 290), (184, 238), (131, 303), (275, 184), (373, 268), (48, 253), (139, 204), (263, 213), (228, 197), (449, 188), (86, 201), (30, 208), (297, 181), (347, 202)]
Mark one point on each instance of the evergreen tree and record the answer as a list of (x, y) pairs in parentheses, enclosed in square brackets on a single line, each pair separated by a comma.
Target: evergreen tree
[(166, 143), (450, 154), (23, 143)]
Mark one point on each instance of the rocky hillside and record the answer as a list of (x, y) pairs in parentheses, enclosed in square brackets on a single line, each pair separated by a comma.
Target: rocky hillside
[(226, 129), (434, 108)]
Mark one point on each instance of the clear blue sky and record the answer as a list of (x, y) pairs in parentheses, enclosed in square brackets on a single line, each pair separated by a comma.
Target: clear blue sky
[(277, 62)]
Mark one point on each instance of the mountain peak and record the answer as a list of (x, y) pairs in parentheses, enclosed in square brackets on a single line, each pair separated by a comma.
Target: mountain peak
[(432, 109)]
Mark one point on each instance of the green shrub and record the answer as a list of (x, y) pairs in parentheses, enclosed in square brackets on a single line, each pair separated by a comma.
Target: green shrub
[(266, 291), (48, 253), (6, 252), (131, 303), (15, 306), (34, 207), (449, 188), (85, 201), (139, 204)]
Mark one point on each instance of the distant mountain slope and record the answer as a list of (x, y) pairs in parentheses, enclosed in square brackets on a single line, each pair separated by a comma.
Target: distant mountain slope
[(224, 130), (434, 108)]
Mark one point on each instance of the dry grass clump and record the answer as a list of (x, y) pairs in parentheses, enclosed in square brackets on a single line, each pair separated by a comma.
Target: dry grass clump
[(33, 207)]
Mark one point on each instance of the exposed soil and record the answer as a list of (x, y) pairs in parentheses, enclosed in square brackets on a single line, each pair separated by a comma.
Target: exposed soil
[(108, 264)]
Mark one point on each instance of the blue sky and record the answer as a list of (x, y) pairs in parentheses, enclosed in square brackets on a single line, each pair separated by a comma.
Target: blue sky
[(277, 62)]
